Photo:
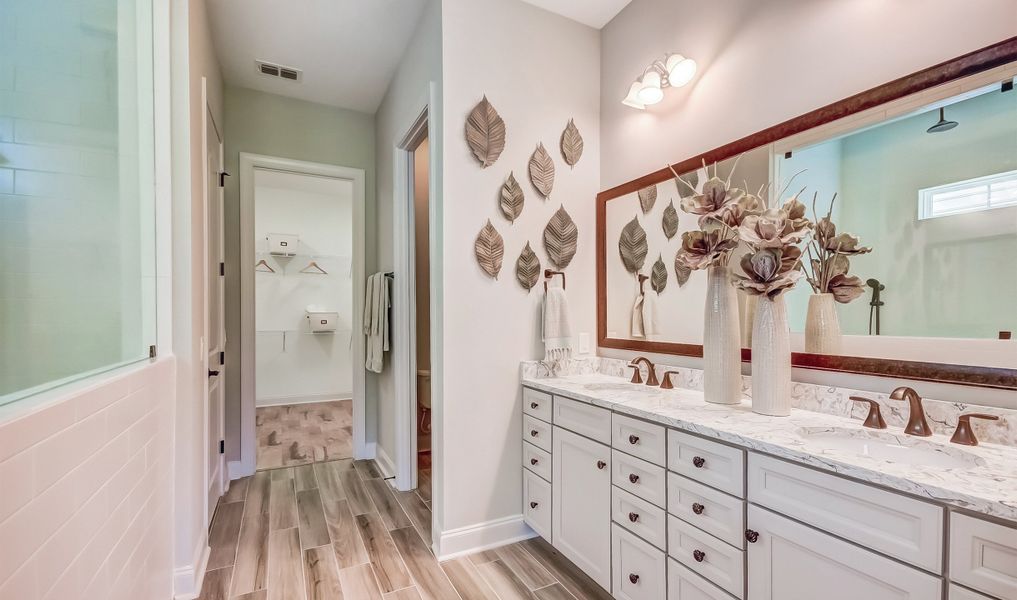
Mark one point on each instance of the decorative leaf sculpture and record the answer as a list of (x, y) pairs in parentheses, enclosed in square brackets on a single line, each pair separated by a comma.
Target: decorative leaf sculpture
[(632, 246), (647, 198), (511, 198), (527, 267), (658, 275), (670, 220), (490, 248), (571, 144), (561, 238), (542, 171), (682, 272), (485, 133)]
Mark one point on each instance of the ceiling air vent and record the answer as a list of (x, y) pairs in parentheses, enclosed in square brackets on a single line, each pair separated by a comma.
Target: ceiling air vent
[(274, 70)]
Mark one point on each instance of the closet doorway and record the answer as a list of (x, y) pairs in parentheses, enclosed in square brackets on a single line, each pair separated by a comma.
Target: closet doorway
[(302, 249)]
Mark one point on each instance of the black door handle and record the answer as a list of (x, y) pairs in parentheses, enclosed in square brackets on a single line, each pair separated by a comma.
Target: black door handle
[(212, 373)]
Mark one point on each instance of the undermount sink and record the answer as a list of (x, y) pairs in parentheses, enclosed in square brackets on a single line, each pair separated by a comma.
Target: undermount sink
[(897, 448), (609, 387)]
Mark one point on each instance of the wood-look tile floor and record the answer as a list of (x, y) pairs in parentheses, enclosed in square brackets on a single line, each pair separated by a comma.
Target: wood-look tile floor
[(300, 434), (336, 530)]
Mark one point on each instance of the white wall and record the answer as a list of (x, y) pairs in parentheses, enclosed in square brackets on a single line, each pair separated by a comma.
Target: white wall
[(292, 363), (763, 63), (538, 70)]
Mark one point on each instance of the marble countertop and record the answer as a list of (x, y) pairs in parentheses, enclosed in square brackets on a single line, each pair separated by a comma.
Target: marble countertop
[(986, 483)]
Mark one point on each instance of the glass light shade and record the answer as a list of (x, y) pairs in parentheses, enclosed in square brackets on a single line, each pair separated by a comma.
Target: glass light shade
[(680, 70), (649, 90), (632, 98)]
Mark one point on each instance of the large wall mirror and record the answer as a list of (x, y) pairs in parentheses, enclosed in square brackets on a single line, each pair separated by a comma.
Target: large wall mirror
[(925, 173)]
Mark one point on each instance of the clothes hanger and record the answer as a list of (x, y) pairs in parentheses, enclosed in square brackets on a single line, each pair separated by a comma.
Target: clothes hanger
[(313, 267), (262, 263)]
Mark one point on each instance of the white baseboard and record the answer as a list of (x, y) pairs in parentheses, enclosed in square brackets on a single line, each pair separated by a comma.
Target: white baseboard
[(369, 451), (187, 579), (384, 462), (482, 536), (310, 399)]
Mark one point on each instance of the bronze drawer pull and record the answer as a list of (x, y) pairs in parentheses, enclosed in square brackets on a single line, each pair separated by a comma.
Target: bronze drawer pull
[(698, 508), (698, 461), (633, 439), (633, 478), (699, 555), (533, 461), (633, 517), (633, 578), (601, 464), (534, 405), (533, 505), (533, 433), (751, 536)]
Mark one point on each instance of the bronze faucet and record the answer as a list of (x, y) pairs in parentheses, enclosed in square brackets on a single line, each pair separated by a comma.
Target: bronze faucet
[(666, 383), (964, 434), (917, 425), (651, 378), (875, 418)]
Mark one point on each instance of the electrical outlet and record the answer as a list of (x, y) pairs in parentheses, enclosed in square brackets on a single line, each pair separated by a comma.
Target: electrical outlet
[(584, 343)]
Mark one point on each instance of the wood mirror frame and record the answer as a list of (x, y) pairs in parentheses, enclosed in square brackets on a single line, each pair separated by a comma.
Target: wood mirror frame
[(987, 58)]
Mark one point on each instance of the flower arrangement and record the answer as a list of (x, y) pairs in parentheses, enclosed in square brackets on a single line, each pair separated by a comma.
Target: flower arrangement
[(827, 268), (774, 264)]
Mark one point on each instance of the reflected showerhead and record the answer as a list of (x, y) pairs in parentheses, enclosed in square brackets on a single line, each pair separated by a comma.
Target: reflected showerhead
[(942, 124)]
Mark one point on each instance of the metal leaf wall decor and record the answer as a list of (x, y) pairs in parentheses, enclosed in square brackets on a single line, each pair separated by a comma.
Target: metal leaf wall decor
[(571, 144), (670, 221), (485, 133), (658, 275), (561, 238), (647, 198), (527, 267), (632, 246), (542, 171), (681, 272), (489, 248), (511, 198)]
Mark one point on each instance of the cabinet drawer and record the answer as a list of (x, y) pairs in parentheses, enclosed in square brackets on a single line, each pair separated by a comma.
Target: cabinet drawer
[(639, 568), (537, 460), (639, 477), (639, 438), (712, 463), (715, 560), (537, 404), (537, 432), (791, 561), (537, 504), (684, 584), (640, 517), (714, 512), (983, 556), (584, 419), (901, 527), (959, 593)]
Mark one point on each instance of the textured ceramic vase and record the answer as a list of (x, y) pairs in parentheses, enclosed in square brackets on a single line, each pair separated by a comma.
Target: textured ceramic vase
[(722, 356), (771, 359), (822, 328)]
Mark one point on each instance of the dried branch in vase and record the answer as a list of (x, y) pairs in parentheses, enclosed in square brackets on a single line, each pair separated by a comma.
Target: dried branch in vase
[(828, 264)]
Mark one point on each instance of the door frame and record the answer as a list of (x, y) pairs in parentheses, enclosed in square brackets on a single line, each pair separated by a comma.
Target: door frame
[(404, 306), (248, 164)]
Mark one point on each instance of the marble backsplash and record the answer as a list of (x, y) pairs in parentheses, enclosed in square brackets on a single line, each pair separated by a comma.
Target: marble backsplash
[(942, 416)]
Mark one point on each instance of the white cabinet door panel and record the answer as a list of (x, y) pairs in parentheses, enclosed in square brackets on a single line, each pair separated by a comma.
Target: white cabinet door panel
[(640, 570), (537, 505), (684, 584), (983, 556)]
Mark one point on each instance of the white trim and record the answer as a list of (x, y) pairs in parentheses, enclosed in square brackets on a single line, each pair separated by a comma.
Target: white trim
[(384, 462), (248, 163), (482, 536), (305, 399), (187, 580)]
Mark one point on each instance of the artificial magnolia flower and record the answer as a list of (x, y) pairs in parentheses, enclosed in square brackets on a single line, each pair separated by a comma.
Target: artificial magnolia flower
[(845, 288), (713, 201), (767, 273), (703, 249), (776, 227), (844, 243)]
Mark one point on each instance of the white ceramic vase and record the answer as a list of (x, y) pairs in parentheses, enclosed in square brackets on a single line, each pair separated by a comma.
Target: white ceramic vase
[(822, 327), (722, 355), (771, 359)]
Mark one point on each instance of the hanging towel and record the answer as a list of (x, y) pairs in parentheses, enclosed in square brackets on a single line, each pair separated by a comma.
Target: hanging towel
[(376, 326), (650, 314), (638, 330), (556, 332)]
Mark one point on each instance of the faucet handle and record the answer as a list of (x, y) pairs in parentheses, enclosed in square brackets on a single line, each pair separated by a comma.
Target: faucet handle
[(964, 434), (636, 376), (666, 383), (875, 418)]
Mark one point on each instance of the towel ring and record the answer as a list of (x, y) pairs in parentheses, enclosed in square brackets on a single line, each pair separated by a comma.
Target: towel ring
[(642, 280), (548, 274)]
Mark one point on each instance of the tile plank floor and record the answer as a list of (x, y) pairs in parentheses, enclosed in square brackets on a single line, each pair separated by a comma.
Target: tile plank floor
[(337, 531), (300, 434)]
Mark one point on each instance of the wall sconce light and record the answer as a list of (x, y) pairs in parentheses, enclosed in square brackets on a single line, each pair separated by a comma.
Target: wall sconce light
[(674, 71)]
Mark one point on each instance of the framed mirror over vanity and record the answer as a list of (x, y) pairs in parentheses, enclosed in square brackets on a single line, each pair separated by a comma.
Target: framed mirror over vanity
[(924, 172)]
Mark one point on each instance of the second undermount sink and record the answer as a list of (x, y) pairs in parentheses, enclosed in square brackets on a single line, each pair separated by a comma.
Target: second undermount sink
[(890, 447), (610, 387)]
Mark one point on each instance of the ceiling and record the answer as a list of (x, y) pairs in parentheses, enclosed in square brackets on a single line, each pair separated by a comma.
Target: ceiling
[(348, 50), (595, 13)]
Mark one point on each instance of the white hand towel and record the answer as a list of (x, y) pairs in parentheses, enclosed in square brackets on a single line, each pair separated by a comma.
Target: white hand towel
[(650, 314), (376, 326), (637, 317), (556, 331)]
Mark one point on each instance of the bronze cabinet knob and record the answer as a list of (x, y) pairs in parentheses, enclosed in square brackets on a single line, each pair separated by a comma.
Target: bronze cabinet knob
[(633, 439), (533, 505), (699, 555), (698, 461), (633, 578), (633, 478), (533, 433), (751, 536), (533, 461), (633, 517), (601, 464), (698, 508), (534, 405)]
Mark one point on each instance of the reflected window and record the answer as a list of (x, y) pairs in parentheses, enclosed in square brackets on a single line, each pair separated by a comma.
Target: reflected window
[(972, 195)]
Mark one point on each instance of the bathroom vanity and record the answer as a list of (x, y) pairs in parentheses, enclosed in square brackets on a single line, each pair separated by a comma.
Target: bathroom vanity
[(656, 495)]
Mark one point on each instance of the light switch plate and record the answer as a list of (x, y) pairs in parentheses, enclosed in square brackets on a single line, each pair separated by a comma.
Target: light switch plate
[(584, 343)]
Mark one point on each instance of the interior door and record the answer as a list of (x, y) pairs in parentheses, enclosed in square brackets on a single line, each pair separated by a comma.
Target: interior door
[(215, 334)]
